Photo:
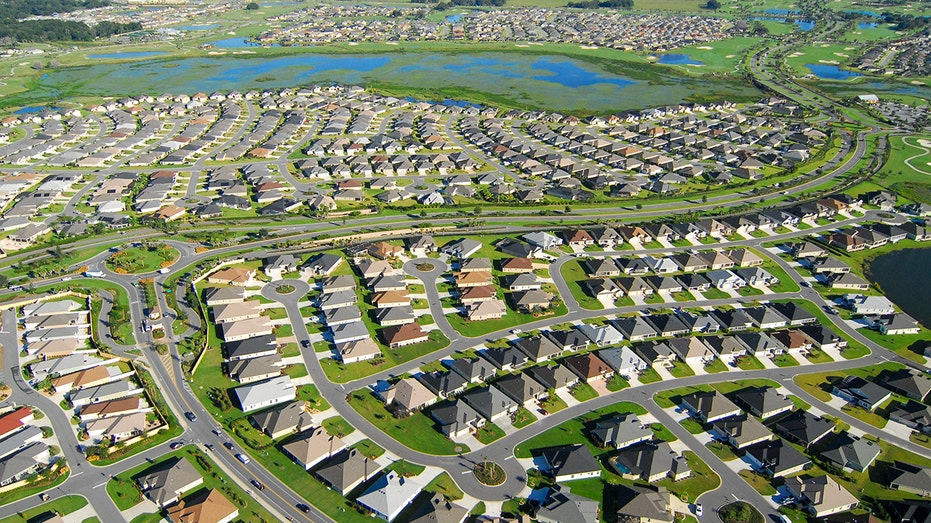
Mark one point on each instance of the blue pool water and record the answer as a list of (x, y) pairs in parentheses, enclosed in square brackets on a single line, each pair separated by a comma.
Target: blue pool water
[(137, 54), (805, 25), (454, 19), (830, 72), (867, 25), (678, 59)]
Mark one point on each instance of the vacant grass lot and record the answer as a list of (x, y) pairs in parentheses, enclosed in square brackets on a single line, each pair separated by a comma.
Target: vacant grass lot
[(62, 506), (415, 431)]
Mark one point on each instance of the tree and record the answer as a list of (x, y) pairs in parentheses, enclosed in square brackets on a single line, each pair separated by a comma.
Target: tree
[(714, 5), (252, 6)]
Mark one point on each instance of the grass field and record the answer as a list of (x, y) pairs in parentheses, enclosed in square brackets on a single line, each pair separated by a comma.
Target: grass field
[(62, 506), (415, 431), (573, 431)]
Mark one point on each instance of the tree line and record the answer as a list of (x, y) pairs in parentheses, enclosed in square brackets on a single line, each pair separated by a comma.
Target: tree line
[(14, 29), (595, 4)]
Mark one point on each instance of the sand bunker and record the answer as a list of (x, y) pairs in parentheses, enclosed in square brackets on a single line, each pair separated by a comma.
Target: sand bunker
[(917, 82), (217, 53), (842, 55), (730, 56), (588, 47), (829, 62), (521, 45), (924, 143), (705, 47)]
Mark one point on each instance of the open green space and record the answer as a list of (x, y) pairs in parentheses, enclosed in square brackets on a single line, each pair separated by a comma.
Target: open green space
[(143, 259), (573, 431), (62, 506), (415, 431), (573, 274)]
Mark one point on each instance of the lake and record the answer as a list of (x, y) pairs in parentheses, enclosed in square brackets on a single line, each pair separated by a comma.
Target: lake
[(678, 59), (831, 72), (905, 278), (137, 54), (524, 79)]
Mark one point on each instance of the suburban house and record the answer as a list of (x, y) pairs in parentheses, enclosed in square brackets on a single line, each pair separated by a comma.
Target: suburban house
[(522, 388), (456, 419), (207, 506), (709, 406), (620, 431), (437, 509), (589, 367), (390, 494), (623, 360), (473, 370), (236, 276), (907, 383), (358, 350), (255, 396), (409, 394), (490, 402), (821, 495), (643, 504), (170, 481), (850, 452), (762, 402), (909, 477), (570, 462), (283, 420), (776, 458), (554, 376), (861, 392), (803, 428), (443, 384), (740, 431), (565, 507), (346, 470), (651, 462), (404, 335)]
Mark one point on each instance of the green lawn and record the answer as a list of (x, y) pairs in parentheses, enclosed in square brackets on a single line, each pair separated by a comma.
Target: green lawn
[(553, 404), (715, 366), (573, 431), (63, 506), (573, 273), (406, 468), (444, 484), (122, 488), (511, 319), (337, 426), (489, 433), (341, 373), (583, 392), (136, 260), (715, 294), (785, 360), (681, 369), (311, 395), (818, 356), (691, 425), (523, 417), (415, 431), (758, 482), (721, 450), (749, 362), (649, 376), (369, 448), (819, 384), (702, 480), (617, 383)]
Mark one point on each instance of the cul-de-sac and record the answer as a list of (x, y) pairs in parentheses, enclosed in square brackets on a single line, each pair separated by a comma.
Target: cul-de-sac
[(485, 261)]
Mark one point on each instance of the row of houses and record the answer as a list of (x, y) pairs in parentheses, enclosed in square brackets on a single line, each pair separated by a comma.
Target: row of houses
[(178, 488), (22, 451)]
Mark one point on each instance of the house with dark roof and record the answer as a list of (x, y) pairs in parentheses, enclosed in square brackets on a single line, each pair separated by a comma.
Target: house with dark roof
[(554, 376), (522, 388), (762, 402), (636, 503), (443, 384), (620, 431), (914, 415), (909, 477), (437, 509), (634, 328), (505, 358), (733, 320), (794, 313), (740, 431), (850, 452), (456, 418), (565, 507), (667, 325), (491, 402), (473, 370), (916, 386), (568, 340), (169, 481), (656, 353), (802, 428), (570, 462), (776, 458), (538, 348), (346, 470), (651, 462), (709, 406), (861, 392)]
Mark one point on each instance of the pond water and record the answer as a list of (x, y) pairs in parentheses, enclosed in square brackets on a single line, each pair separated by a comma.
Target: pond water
[(678, 59), (237, 42), (532, 80), (831, 72), (137, 54), (199, 27), (32, 109), (874, 14), (889, 272), (454, 19), (867, 25), (802, 25), (781, 12)]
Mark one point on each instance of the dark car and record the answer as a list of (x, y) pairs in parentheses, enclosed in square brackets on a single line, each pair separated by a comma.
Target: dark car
[(177, 445), (257, 484), (305, 343), (228, 444), (190, 416), (303, 508)]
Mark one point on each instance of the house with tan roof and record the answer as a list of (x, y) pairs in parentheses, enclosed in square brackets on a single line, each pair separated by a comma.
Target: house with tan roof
[(169, 481), (486, 310), (822, 495), (403, 335), (116, 428), (239, 311), (312, 447), (245, 329), (238, 276), (409, 394), (169, 213), (118, 407), (388, 299), (208, 506), (384, 250), (358, 350), (473, 279), (88, 378), (472, 295)]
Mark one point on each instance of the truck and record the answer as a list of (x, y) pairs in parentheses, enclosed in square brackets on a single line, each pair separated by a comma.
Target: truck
[(164, 270), (93, 274)]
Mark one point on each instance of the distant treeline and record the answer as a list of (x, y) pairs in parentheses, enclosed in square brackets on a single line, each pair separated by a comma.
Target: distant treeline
[(906, 22), (14, 28), (61, 30), (594, 4), (465, 3)]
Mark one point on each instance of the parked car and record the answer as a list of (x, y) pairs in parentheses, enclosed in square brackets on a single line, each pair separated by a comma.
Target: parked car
[(699, 510)]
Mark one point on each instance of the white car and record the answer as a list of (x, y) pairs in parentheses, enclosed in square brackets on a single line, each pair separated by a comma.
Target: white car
[(242, 458), (698, 509)]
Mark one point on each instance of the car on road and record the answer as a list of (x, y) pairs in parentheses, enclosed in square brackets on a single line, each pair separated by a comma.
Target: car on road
[(242, 458), (208, 446), (830, 310), (516, 331), (190, 416), (804, 284), (699, 510), (228, 444), (257, 484), (177, 445), (218, 432), (305, 343), (303, 508)]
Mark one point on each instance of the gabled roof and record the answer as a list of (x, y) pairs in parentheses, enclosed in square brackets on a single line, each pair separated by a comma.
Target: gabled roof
[(489, 401), (209, 506), (520, 387), (710, 404), (851, 451), (621, 428), (314, 445), (802, 427), (762, 399), (346, 469), (570, 459), (564, 507), (437, 509), (642, 502), (553, 376), (442, 383), (538, 347), (169, 480), (777, 455), (389, 494)]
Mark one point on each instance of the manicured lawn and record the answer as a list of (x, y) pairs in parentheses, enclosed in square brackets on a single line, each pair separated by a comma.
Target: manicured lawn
[(649, 376), (523, 417), (818, 356), (617, 383), (406, 468), (864, 415), (444, 484), (511, 318), (136, 260), (721, 450), (63, 506), (749, 362), (715, 366), (415, 431), (122, 488), (758, 482), (583, 392), (369, 448), (681, 370), (41, 484), (296, 371), (851, 352), (691, 425), (553, 404), (337, 426), (900, 343), (702, 479), (785, 360), (342, 373), (574, 431), (819, 384), (660, 432), (750, 291), (489, 433), (573, 273)]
